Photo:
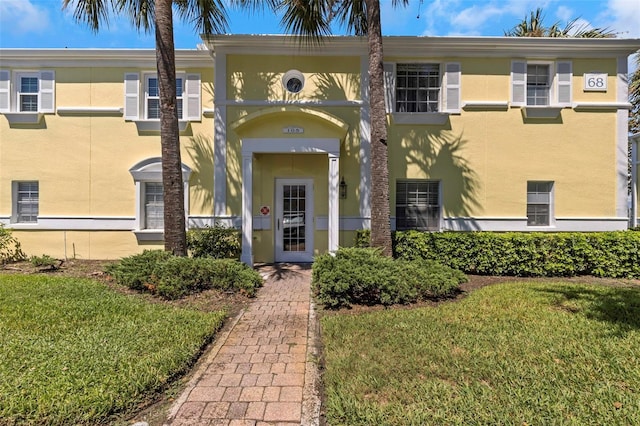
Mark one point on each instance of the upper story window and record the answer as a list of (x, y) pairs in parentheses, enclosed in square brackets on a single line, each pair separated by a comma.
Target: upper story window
[(27, 91), (142, 98), (422, 88), (417, 88), (152, 95), (536, 83)]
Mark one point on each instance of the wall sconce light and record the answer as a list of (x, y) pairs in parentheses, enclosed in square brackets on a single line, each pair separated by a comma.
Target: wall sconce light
[(343, 188)]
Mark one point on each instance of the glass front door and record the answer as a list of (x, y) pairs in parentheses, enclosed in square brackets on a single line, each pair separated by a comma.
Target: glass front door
[(294, 220)]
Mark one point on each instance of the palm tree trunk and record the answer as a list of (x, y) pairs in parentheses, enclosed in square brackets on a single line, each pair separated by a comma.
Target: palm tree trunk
[(380, 214), (173, 190)]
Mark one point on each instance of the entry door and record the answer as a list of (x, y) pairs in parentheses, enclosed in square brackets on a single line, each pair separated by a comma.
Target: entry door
[(294, 220)]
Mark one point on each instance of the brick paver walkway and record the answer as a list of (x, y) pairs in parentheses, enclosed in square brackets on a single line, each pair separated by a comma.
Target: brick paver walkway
[(263, 371)]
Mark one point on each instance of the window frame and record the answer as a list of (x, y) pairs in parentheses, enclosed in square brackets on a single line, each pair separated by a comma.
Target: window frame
[(180, 92), (401, 220), (560, 87), (417, 89), (20, 93), (549, 86), (17, 210), (550, 222)]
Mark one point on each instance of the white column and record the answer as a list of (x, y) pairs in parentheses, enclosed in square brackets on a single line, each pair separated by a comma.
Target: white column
[(622, 136), (634, 181), (247, 217), (220, 137), (333, 230), (365, 145)]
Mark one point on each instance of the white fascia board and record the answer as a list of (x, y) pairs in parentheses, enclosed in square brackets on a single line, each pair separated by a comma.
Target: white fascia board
[(61, 58), (403, 46)]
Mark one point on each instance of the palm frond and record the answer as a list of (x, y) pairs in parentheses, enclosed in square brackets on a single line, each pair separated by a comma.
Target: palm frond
[(308, 19), (93, 13), (207, 16)]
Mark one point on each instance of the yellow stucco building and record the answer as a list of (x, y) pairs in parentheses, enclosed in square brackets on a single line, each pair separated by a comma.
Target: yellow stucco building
[(498, 134)]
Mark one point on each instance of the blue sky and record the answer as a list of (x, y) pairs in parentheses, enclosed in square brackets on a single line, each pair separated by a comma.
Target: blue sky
[(42, 23)]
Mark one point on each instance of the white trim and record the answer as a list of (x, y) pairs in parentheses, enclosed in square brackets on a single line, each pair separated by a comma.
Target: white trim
[(365, 143), (589, 106), (89, 110), (519, 224), (622, 140), (302, 102), (412, 118), (219, 131), (23, 117), (635, 163), (485, 105), (153, 126)]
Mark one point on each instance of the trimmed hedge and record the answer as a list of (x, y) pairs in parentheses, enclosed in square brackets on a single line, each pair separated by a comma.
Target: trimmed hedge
[(172, 277), (601, 254), (366, 277), (219, 242)]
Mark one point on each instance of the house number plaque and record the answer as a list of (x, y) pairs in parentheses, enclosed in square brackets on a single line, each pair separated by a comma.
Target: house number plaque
[(595, 82), (292, 130)]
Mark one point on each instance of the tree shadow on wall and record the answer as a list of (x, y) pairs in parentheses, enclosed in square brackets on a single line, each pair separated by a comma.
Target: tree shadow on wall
[(200, 151), (440, 155)]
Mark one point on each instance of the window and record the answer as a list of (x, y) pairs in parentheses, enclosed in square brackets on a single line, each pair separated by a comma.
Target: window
[(28, 92), (541, 84), (154, 205), (422, 93), (26, 202), (539, 197), (538, 84), (147, 176), (142, 99), (417, 87), (418, 205), (153, 98)]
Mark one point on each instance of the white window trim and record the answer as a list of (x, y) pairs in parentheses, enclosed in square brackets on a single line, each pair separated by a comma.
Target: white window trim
[(440, 226), (552, 198), (553, 109), (136, 97), (150, 170), (435, 118), (10, 88), (14, 205)]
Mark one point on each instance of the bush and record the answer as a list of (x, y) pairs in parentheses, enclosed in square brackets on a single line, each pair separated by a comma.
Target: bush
[(180, 276), (602, 254), (10, 250), (363, 276), (219, 242), (44, 261), (172, 277), (138, 271)]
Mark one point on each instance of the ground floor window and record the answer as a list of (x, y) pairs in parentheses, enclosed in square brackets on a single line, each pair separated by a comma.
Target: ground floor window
[(539, 203), (418, 205), (26, 207), (153, 205)]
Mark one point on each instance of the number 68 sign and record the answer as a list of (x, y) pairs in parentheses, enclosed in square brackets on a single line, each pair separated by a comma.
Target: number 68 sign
[(595, 82)]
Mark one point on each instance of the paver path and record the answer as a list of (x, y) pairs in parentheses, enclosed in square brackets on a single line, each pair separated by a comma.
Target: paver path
[(262, 372)]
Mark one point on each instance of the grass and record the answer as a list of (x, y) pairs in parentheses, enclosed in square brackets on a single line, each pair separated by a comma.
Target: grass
[(518, 354), (75, 352)]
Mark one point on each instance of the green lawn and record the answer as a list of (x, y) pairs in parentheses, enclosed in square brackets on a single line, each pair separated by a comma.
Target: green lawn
[(520, 353), (72, 351)]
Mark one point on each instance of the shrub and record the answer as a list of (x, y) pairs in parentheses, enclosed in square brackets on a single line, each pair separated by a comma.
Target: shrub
[(172, 277), (137, 271), (363, 276), (602, 254), (219, 242), (10, 250), (43, 261), (180, 276)]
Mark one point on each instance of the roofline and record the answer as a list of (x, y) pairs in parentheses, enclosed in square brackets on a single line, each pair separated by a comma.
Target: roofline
[(428, 46), (17, 57)]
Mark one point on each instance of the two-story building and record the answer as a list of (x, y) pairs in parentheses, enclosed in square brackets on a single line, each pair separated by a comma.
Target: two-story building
[(496, 134)]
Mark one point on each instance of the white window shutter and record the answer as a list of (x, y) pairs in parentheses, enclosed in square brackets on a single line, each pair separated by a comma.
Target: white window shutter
[(564, 75), (390, 86), (131, 96), (191, 97), (5, 93), (47, 91), (518, 83), (452, 88)]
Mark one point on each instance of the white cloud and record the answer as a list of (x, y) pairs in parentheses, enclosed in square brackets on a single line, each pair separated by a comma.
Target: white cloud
[(23, 16), (624, 17)]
